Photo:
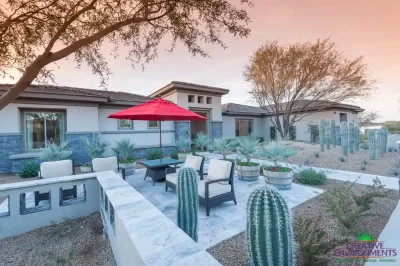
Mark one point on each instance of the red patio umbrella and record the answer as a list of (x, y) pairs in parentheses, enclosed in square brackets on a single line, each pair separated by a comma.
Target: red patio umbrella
[(157, 110)]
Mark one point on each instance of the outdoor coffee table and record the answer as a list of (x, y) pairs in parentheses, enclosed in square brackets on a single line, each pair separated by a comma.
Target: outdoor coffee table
[(156, 168)]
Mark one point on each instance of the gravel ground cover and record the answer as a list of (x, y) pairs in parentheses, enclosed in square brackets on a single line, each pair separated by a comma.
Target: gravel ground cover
[(13, 178), (72, 242), (233, 252), (330, 159)]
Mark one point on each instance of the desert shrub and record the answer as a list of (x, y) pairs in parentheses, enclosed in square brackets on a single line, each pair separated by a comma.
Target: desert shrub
[(311, 177), (29, 169), (363, 167), (307, 162), (153, 154), (174, 155), (342, 159), (54, 152), (314, 245), (365, 162), (365, 199), (395, 170), (316, 155), (364, 146)]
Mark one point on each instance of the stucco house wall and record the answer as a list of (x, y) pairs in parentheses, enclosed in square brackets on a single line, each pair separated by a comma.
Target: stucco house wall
[(229, 128)]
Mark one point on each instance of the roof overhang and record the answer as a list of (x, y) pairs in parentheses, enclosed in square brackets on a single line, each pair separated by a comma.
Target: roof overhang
[(176, 86)]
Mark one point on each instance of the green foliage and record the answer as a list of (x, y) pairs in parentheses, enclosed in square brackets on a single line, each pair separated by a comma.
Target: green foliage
[(372, 144), (364, 146), (316, 155), (174, 155), (322, 135), (278, 168), (29, 169), (54, 152), (269, 229), (314, 244), (344, 137), (183, 145), (124, 150), (153, 154), (201, 141), (365, 199), (393, 127), (276, 151), (311, 177), (224, 146), (363, 167), (248, 146), (333, 133), (363, 137), (245, 163), (94, 146), (188, 201), (342, 159)]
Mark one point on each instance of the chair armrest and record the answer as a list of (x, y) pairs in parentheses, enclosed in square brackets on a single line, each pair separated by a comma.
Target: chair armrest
[(216, 180), (123, 173)]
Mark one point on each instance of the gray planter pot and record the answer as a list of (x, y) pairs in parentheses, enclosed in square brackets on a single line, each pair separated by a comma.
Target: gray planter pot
[(129, 167), (248, 173), (281, 180)]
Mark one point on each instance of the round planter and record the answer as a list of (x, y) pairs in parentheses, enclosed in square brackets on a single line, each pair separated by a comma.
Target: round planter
[(202, 153), (129, 167), (281, 180), (86, 169), (248, 173)]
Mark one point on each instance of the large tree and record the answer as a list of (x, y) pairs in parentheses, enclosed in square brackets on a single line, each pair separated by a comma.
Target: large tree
[(293, 81), (37, 33), (367, 117)]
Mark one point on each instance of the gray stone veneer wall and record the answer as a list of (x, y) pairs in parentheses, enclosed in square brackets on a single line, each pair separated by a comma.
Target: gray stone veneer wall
[(141, 153), (79, 154), (182, 130), (10, 144), (216, 130)]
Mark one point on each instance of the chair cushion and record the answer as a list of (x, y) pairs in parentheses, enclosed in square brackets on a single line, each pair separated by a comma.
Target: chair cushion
[(219, 169), (193, 161), (105, 164), (215, 189), (56, 169), (172, 178)]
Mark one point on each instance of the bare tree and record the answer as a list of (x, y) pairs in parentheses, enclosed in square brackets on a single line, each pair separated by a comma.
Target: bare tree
[(294, 81), (36, 33), (366, 118)]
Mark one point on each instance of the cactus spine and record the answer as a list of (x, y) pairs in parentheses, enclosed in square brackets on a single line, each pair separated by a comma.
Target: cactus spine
[(269, 229), (328, 135), (333, 133), (357, 138), (351, 138), (344, 136), (321, 135), (380, 141), (372, 144), (188, 201)]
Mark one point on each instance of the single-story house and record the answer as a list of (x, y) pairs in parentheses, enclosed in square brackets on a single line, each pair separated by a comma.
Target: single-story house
[(56, 113)]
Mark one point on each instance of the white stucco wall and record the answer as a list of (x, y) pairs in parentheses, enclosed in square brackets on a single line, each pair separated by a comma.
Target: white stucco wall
[(79, 118), (228, 126), (215, 106)]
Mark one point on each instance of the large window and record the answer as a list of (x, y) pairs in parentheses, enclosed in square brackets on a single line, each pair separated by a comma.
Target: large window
[(244, 127), (125, 124), (43, 127)]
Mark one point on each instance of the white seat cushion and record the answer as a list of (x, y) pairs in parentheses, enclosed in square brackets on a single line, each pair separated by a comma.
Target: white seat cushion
[(56, 169), (219, 169), (215, 189), (105, 164), (172, 178), (193, 161)]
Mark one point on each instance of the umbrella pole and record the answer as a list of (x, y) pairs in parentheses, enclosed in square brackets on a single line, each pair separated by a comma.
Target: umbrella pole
[(161, 153)]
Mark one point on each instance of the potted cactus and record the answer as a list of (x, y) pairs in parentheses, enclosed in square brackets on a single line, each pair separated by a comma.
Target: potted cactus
[(95, 149), (183, 146), (224, 146), (277, 175), (246, 170), (201, 142), (127, 160)]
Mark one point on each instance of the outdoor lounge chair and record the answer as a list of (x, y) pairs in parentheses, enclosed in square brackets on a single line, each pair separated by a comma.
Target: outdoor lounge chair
[(196, 162), (108, 164), (56, 169), (218, 186)]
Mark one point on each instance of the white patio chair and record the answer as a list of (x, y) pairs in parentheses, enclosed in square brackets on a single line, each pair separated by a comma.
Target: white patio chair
[(193, 161), (108, 164)]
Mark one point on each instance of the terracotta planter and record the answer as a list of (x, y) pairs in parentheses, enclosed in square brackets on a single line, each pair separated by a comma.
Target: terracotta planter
[(281, 180), (129, 167), (86, 169), (248, 173)]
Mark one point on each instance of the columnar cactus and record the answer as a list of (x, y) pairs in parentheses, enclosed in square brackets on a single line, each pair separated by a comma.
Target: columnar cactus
[(380, 142), (269, 229), (356, 138), (372, 144), (327, 134), (333, 133), (188, 201), (322, 134), (351, 138), (386, 133), (344, 138)]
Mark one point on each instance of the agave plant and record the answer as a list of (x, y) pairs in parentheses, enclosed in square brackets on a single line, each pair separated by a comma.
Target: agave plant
[(201, 141), (124, 149), (224, 146), (183, 145), (276, 151), (54, 152), (95, 147), (248, 146)]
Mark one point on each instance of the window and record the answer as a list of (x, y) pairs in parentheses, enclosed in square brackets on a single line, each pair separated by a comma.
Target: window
[(125, 124), (343, 117), (43, 127), (272, 133), (191, 98), (244, 127), (200, 99), (209, 100), (152, 124)]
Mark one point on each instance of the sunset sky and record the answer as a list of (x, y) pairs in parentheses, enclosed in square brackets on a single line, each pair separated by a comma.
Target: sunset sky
[(359, 27)]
